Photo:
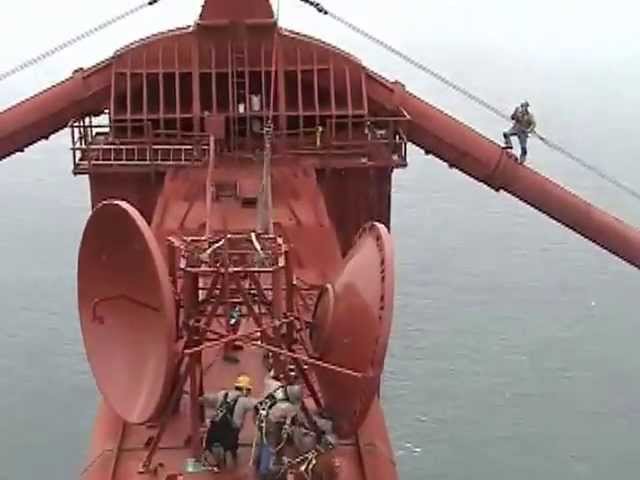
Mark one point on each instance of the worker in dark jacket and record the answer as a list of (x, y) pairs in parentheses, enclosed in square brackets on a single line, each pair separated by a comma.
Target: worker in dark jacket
[(524, 124), (223, 433)]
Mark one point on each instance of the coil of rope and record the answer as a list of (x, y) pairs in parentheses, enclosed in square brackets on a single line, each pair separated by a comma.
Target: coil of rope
[(469, 95), (83, 36)]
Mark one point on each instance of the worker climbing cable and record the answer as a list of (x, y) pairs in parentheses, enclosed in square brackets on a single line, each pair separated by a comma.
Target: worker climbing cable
[(524, 124), (317, 5), (166, 372), (474, 98)]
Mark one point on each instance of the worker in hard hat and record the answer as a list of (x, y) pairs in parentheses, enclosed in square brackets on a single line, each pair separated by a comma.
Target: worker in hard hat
[(524, 124), (231, 408)]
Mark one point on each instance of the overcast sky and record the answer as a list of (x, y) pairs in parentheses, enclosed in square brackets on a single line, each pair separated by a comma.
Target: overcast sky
[(564, 56), (541, 30), (503, 50)]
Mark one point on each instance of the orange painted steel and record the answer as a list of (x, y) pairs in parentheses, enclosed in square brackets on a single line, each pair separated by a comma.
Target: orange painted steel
[(463, 148), (351, 327), (86, 92), (447, 138), (126, 311), (225, 11), (176, 99)]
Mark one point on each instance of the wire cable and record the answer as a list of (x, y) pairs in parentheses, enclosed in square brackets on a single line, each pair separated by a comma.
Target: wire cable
[(587, 166), (478, 100), (63, 46)]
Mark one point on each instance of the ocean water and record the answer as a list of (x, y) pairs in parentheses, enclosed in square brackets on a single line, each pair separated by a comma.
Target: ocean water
[(514, 350)]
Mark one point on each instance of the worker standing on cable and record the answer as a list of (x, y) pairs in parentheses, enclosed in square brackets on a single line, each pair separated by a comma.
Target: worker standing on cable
[(223, 433), (524, 124)]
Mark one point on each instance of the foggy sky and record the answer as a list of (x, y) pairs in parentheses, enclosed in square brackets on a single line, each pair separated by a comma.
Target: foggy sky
[(577, 62), (502, 32)]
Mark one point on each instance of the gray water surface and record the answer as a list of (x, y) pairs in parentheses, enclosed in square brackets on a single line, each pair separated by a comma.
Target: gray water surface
[(514, 350)]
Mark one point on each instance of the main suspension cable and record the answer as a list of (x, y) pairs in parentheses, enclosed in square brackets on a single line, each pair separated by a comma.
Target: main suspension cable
[(478, 100), (63, 46), (587, 166)]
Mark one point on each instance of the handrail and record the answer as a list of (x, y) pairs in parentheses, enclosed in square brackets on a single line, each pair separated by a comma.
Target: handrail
[(98, 143)]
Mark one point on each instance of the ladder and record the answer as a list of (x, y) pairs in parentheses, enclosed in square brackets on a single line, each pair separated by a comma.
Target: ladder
[(240, 96)]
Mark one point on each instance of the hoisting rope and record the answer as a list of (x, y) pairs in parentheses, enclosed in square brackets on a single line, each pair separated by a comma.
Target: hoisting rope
[(265, 220), (263, 408), (261, 430), (483, 103), (59, 48)]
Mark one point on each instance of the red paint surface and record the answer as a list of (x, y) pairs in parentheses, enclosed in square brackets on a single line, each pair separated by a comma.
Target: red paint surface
[(223, 10), (466, 150), (49, 111), (352, 326), (126, 311), (326, 186)]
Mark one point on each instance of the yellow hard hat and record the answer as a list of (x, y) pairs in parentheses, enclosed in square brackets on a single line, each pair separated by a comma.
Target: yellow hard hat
[(243, 382)]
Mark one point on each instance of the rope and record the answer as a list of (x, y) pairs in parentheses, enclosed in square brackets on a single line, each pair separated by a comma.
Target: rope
[(478, 100), (261, 427), (274, 59), (265, 220), (63, 46)]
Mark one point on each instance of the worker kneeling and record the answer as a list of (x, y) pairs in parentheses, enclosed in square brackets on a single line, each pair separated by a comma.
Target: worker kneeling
[(223, 433)]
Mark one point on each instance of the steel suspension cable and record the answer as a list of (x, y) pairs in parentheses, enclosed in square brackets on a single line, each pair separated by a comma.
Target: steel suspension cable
[(466, 93), (587, 166), (63, 46)]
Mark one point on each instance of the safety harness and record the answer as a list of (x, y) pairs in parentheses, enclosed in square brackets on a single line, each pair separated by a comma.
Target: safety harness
[(264, 406), (225, 409), (221, 430), (262, 409)]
